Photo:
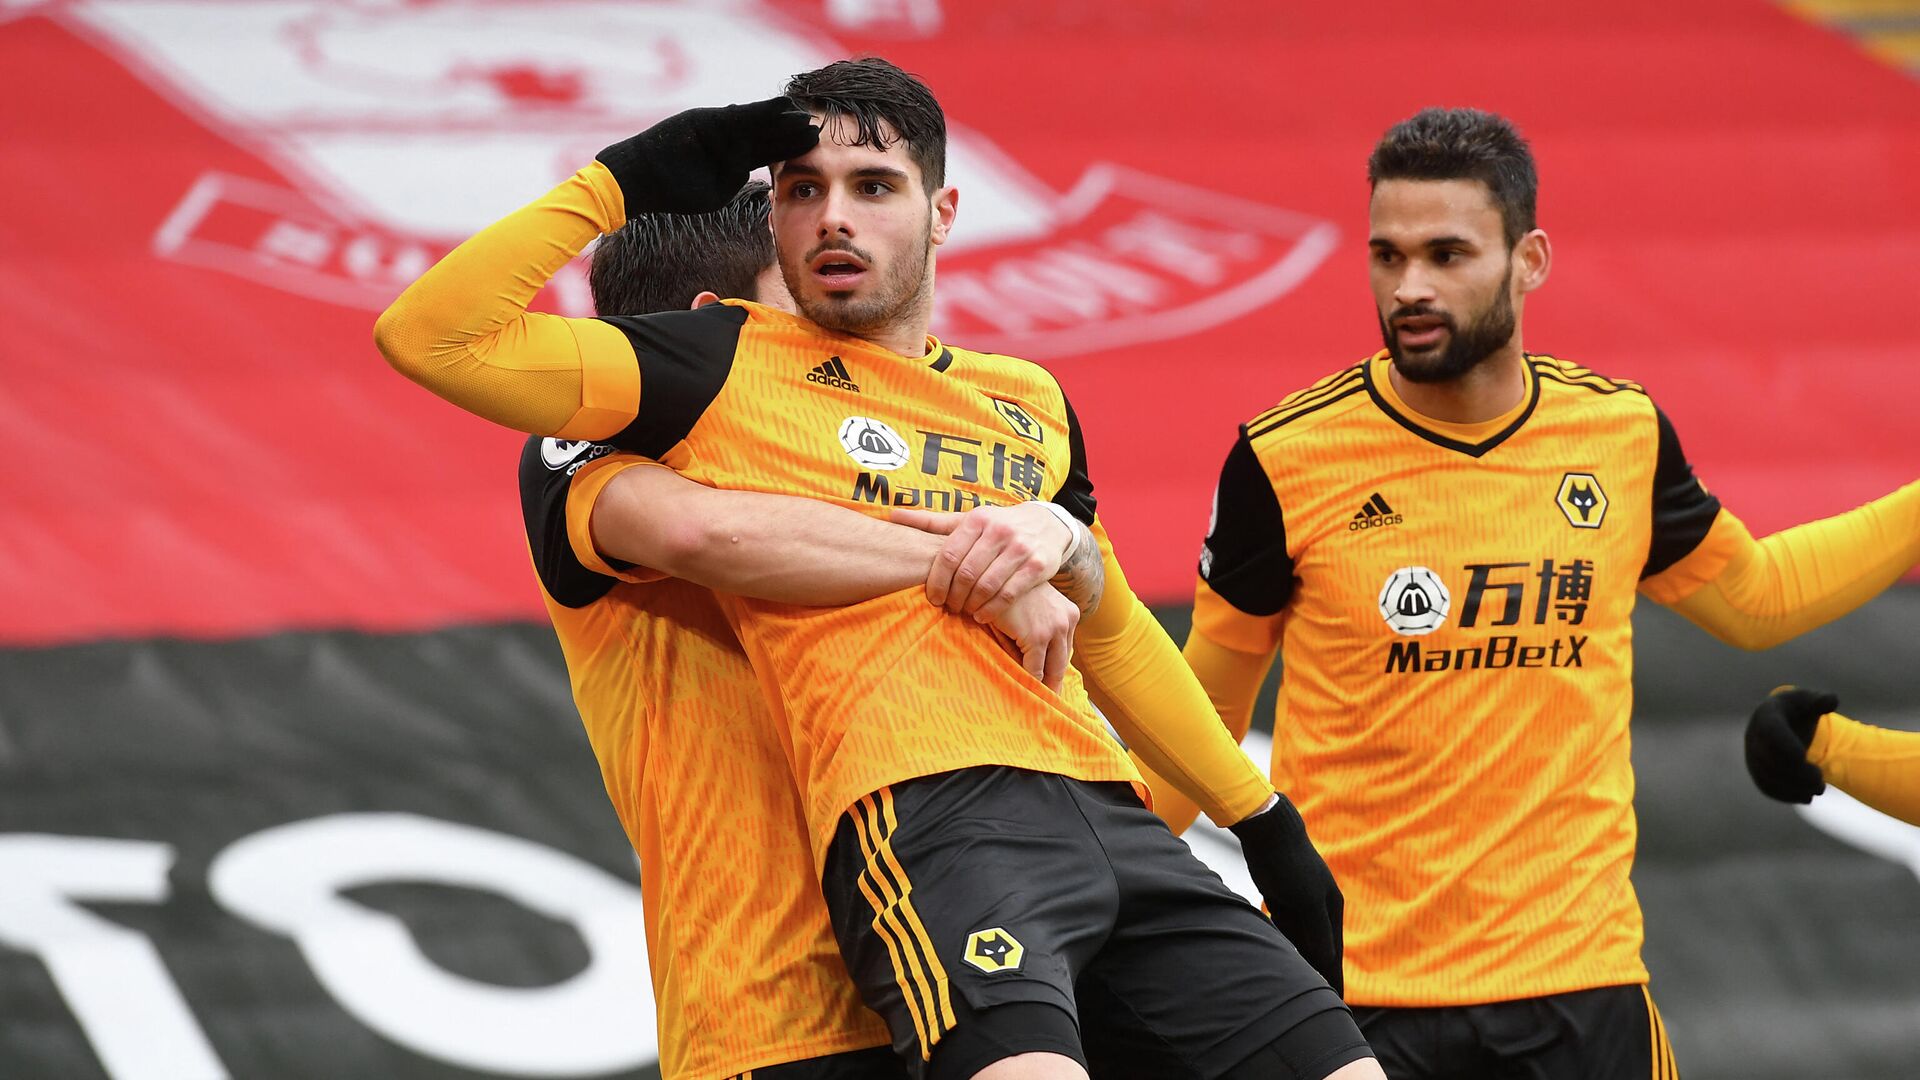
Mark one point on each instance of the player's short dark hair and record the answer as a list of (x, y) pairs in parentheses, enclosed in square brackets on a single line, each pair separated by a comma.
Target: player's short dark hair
[(660, 262), (870, 92), (1463, 144)]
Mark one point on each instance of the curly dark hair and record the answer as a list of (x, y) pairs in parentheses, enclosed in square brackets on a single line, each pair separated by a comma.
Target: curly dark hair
[(876, 95), (1463, 144)]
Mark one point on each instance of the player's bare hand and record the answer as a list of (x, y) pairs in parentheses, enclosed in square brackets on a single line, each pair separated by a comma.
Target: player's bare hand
[(1041, 624), (993, 555)]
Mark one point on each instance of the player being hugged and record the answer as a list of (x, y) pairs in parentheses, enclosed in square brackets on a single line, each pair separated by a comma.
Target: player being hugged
[(999, 892)]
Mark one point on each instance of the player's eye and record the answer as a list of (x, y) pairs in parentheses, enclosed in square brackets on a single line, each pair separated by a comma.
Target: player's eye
[(1444, 257), (1385, 256), (873, 187), (803, 190)]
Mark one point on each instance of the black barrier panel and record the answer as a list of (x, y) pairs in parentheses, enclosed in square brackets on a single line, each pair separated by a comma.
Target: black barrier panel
[(329, 855), (216, 859)]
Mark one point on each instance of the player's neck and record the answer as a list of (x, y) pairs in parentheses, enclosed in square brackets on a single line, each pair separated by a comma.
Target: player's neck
[(906, 338), (1491, 389)]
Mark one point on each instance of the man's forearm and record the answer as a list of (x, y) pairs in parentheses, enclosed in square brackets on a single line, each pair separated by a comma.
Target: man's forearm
[(1153, 700), (770, 547)]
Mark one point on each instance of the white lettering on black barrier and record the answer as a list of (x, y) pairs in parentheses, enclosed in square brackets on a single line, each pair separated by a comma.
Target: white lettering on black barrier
[(112, 977), (288, 879)]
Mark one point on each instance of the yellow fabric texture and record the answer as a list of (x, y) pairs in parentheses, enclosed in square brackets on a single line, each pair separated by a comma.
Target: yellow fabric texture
[(1756, 595), (1231, 680), (1468, 781), (876, 693), (746, 972), (463, 330), (1137, 678), (1875, 765)]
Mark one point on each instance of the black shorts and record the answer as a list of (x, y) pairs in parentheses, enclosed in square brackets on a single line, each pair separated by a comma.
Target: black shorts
[(994, 911), (1609, 1033), (876, 1063)]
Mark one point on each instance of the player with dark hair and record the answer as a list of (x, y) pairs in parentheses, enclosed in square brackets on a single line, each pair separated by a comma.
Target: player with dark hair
[(1798, 743), (746, 979), (1444, 542), (668, 262), (1000, 893)]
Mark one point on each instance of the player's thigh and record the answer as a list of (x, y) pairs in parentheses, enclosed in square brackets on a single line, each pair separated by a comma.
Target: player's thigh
[(875, 1063), (954, 895), (1194, 981), (1602, 1034)]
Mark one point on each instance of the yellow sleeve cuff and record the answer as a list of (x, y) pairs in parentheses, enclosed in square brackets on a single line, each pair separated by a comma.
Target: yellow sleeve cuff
[(582, 492)]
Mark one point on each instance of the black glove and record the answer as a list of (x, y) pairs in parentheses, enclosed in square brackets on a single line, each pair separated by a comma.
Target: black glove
[(696, 161), (1778, 735), (1302, 898)]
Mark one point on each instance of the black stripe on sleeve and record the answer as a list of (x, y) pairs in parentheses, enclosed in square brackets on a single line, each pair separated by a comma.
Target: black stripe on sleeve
[(1245, 559), (685, 358), (1076, 494), (1683, 510), (546, 474)]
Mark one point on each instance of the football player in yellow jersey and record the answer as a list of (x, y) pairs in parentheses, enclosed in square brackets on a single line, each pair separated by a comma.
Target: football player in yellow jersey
[(999, 893), (1444, 543), (747, 979), (1797, 744)]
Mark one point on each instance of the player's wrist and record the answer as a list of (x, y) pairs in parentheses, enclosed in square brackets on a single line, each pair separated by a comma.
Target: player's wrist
[(1074, 533)]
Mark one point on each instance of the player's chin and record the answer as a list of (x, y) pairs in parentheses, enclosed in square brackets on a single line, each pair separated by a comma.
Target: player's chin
[(1419, 358)]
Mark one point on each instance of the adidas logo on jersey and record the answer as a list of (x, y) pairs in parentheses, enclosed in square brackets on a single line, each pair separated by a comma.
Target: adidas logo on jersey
[(833, 373), (1376, 514)]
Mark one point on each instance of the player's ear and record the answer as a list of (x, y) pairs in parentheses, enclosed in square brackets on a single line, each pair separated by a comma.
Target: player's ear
[(1532, 261), (704, 299), (946, 204)]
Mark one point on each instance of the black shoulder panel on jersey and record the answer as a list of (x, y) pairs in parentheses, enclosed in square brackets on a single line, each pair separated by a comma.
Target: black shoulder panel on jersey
[(1683, 510), (1076, 494), (685, 358), (1245, 559), (546, 472)]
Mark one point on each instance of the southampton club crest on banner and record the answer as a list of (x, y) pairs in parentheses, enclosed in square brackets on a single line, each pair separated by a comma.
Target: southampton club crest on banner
[(368, 104)]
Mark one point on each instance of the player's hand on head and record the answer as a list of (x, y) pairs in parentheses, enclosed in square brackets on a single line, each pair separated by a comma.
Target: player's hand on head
[(1041, 625), (1303, 899), (993, 555), (694, 162), (1778, 735)]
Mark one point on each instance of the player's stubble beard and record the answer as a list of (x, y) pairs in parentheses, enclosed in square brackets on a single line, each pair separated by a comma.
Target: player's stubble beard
[(1467, 346), (905, 287)]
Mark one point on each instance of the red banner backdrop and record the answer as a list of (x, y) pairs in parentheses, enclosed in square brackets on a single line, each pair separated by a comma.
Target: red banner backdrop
[(203, 205)]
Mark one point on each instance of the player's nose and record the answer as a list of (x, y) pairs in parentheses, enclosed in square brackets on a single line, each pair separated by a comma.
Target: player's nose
[(836, 218), (1414, 287)]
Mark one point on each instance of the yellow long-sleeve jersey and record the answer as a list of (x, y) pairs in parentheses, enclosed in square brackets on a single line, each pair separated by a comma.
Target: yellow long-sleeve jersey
[(1452, 608)]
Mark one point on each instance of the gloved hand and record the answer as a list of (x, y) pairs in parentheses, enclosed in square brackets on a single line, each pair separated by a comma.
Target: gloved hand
[(1778, 735), (694, 162), (1302, 898)]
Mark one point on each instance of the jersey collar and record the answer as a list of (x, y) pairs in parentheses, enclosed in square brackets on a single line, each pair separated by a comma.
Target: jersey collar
[(1473, 440)]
